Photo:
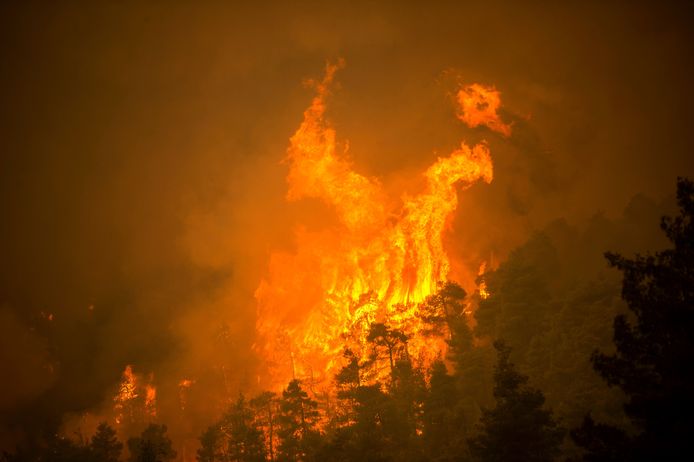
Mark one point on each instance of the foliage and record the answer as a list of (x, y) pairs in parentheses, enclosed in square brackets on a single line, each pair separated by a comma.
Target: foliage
[(237, 436), (297, 420), (517, 428), (654, 348), (151, 446), (105, 446)]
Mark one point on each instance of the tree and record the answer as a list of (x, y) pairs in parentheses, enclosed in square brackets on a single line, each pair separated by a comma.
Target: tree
[(443, 426), (654, 349), (472, 364), (444, 309), (407, 391), (519, 305), (105, 446), (151, 446), (297, 421), (265, 405), (393, 340), (210, 445), (245, 441), (518, 428), (367, 434)]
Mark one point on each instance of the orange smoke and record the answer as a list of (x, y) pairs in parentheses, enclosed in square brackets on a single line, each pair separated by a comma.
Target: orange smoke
[(382, 258), (478, 105)]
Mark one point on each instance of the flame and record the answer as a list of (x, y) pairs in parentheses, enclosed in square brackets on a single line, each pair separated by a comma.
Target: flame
[(126, 393), (482, 288), (151, 400), (127, 406), (382, 258), (479, 106)]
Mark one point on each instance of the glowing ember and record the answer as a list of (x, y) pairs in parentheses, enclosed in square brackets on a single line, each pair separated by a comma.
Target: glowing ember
[(382, 258)]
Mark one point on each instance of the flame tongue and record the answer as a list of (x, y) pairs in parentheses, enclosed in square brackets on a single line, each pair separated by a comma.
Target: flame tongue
[(375, 265)]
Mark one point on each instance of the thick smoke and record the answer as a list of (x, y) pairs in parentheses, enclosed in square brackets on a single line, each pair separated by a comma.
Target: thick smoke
[(142, 188)]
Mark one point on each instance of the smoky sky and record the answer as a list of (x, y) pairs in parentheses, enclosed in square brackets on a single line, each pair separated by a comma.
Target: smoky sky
[(141, 177)]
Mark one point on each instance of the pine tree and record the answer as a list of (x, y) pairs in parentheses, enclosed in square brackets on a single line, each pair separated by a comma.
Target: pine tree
[(265, 405), (518, 428), (245, 441), (151, 446), (210, 445), (104, 445), (654, 349), (393, 341), (407, 391), (445, 312), (297, 421), (442, 430)]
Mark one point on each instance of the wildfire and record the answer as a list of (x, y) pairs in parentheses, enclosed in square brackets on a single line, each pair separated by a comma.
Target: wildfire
[(126, 393), (482, 287), (134, 399), (151, 400), (479, 105), (383, 258)]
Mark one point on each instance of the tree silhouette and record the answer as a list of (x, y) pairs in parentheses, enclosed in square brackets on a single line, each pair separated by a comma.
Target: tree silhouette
[(654, 349), (265, 407), (297, 424), (104, 445), (443, 426), (444, 309), (210, 445), (407, 391), (393, 340), (518, 428), (151, 446), (244, 439)]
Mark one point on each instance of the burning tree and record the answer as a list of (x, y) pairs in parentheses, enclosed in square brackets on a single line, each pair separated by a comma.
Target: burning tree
[(383, 258)]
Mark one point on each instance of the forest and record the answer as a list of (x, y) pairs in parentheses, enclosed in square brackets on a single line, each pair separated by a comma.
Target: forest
[(547, 367)]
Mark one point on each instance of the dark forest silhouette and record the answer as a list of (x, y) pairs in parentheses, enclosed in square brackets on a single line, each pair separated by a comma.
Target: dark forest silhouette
[(510, 399)]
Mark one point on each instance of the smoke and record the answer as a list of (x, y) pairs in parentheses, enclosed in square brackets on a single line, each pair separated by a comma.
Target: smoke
[(142, 188)]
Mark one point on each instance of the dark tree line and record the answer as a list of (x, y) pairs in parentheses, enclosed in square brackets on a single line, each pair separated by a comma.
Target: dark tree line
[(153, 445), (472, 407), (491, 398), (411, 414), (654, 354)]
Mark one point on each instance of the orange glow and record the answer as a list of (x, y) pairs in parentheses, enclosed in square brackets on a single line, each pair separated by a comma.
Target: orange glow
[(183, 387), (384, 256), (151, 400), (478, 105), (482, 288), (134, 401), (126, 393)]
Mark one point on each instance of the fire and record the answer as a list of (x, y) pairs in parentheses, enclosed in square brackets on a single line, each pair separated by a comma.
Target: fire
[(384, 256), (134, 400), (151, 400), (126, 393), (479, 106), (482, 288)]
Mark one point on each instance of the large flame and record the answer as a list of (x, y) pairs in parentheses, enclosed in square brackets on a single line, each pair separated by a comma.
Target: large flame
[(128, 407), (383, 257)]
